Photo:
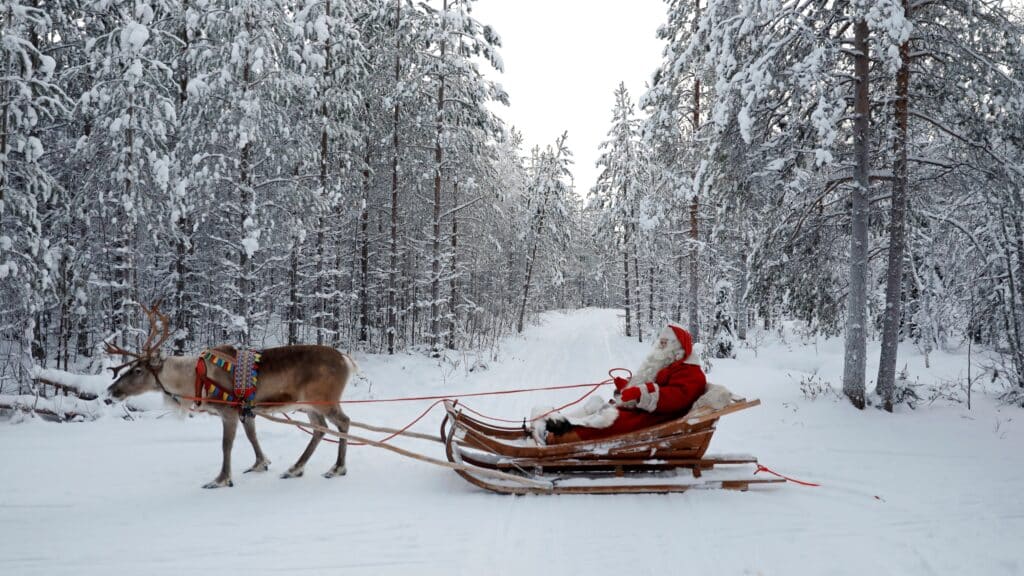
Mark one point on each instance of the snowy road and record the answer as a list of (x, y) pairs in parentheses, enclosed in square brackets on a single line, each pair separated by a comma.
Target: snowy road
[(931, 491)]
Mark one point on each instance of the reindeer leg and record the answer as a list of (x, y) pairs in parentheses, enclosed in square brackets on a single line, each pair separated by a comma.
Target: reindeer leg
[(262, 462), (230, 427), (316, 419), (341, 420)]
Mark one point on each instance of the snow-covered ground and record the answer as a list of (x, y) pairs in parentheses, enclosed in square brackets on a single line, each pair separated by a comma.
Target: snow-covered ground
[(929, 491)]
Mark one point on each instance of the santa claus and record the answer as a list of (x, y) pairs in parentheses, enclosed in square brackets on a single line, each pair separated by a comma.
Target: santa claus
[(664, 387)]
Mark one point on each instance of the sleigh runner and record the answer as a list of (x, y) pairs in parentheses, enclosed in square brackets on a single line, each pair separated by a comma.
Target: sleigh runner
[(669, 457)]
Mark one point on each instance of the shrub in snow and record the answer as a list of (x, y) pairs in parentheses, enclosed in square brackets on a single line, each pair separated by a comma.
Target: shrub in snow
[(813, 387), (723, 335)]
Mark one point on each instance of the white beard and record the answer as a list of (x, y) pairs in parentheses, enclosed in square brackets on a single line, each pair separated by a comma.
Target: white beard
[(657, 359)]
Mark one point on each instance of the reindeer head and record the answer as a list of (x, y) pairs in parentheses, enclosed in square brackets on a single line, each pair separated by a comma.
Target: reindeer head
[(143, 367)]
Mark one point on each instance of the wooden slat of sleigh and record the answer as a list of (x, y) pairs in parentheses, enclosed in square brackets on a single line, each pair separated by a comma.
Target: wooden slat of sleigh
[(678, 433), (629, 445), (687, 424)]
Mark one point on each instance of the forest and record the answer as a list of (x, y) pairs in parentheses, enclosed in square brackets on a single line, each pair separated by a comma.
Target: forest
[(337, 172)]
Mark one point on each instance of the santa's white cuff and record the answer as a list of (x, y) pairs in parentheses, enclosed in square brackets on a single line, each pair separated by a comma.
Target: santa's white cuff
[(648, 398)]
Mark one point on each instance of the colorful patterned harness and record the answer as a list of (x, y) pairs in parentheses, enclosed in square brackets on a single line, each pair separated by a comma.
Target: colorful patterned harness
[(244, 372)]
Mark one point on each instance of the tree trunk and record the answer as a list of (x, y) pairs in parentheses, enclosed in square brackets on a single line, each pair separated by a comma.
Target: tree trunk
[(364, 251), (1017, 347), (244, 200), (435, 254), (293, 295), (320, 306), (627, 239), (319, 301), (650, 295), (856, 319), (244, 265), (694, 316), (897, 233), (340, 307), (393, 268), (694, 308), (741, 296), (526, 288), (124, 260), (82, 343), (453, 282), (183, 314), (184, 248), (531, 257), (637, 300)]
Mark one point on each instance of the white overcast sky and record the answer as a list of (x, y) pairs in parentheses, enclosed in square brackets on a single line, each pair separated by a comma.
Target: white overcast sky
[(563, 61)]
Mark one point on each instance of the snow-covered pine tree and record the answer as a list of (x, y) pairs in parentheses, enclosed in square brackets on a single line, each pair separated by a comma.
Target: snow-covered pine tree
[(463, 125), (30, 101), (619, 192), (249, 152), (331, 72), (131, 106), (546, 228)]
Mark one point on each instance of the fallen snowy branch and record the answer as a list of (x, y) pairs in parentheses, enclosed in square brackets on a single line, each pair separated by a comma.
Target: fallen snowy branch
[(85, 384), (60, 408), (83, 394)]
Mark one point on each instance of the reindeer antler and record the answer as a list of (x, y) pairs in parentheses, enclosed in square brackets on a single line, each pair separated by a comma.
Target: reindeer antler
[(114, 350), (158, 324)]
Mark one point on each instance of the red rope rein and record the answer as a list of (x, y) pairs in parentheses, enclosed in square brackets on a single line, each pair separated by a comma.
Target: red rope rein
[(406, 398), (437, 400), (762, 468), (542, 416)]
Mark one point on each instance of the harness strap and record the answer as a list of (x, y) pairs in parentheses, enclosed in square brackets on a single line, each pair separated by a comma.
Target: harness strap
[(206, 387), (200, 380)]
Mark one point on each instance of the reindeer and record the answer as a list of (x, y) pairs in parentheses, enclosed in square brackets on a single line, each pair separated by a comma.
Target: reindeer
[(306, 378)]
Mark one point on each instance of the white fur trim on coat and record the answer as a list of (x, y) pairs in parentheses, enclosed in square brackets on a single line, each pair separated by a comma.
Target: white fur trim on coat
[(595, 413), (648, 399), (603, 418), (694, 357)]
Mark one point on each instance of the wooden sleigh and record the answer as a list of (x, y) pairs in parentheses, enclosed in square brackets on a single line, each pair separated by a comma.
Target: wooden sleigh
[(669, 457)]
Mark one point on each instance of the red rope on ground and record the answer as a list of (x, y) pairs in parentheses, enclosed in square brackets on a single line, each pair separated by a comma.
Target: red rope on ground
[(761, 468)]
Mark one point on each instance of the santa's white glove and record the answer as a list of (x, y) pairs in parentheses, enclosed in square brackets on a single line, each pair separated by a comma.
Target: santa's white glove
[(644, 397)]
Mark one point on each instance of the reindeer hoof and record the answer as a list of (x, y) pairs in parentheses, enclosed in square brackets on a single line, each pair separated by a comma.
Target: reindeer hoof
[(219, 484), (292, 474), (336, 471), (259, 467)]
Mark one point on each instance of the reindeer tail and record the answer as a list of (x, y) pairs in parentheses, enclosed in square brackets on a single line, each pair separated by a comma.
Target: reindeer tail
[(355, 369)]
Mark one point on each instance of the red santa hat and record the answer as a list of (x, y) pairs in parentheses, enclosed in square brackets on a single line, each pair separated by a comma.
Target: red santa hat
[(678, 346), (691, 351), (684, 338)]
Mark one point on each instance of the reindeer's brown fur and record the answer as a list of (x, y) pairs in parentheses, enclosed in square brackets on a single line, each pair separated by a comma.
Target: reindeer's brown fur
[(307, 378)]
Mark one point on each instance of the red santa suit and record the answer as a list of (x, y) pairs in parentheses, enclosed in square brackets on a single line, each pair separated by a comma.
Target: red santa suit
[(665, 387)]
